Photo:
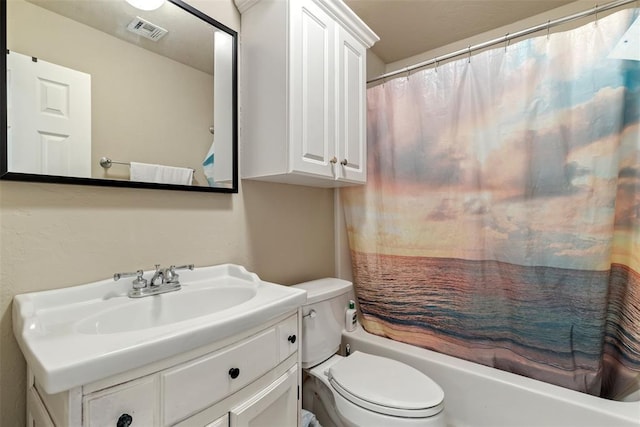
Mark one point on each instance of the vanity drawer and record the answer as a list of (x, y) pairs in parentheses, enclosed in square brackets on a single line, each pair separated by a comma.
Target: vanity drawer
[(204, 381), (288, 337), (135, 399)]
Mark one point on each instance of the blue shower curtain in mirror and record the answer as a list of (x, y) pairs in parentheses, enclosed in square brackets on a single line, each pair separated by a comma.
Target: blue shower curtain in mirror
[(501, 218)]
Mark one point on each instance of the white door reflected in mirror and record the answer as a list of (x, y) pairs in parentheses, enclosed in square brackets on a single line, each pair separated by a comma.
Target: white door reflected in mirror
[(49, 125)]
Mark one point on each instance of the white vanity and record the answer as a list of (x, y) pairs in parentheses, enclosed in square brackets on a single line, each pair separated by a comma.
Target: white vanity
[(99, 358), (303, 79)]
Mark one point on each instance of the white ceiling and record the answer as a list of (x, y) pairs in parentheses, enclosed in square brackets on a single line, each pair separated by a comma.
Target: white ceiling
[(405, 27), (189, 41), (409, 27)]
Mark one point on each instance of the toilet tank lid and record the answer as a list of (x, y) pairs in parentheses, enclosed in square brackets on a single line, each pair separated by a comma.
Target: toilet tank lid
[(322, 289)]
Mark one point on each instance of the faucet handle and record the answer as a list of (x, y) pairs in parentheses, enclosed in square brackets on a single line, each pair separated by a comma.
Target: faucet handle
[(118, 276), (172, 277), (182, 267), (138, 283)]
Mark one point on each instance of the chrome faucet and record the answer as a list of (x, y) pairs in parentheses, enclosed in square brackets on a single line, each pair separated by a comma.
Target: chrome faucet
[(163, 280), (159, 274)]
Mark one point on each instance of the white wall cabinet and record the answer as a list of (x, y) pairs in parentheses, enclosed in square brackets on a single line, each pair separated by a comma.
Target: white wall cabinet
[(303, 87), (249, 380)]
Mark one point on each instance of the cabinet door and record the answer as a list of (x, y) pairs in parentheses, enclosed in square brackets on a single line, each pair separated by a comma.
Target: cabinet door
[(277, 405), (351, 109), (312, 131)]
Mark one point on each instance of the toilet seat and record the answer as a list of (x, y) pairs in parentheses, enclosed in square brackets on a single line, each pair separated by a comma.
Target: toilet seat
[(386, 386)]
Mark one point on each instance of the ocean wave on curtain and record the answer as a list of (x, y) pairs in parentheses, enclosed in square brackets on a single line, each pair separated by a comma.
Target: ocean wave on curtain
[(501, 218)]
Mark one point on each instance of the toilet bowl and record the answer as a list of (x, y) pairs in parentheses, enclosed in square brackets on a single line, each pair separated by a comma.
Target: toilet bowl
[(361, 389)]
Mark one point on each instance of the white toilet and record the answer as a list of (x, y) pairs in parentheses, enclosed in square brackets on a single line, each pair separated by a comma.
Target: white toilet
[(361, 389)]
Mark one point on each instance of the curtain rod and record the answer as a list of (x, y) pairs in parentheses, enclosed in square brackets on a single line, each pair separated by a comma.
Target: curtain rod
[(504, 39)]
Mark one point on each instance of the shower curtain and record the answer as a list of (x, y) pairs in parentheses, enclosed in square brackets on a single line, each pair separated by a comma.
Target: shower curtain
[(501, 218)]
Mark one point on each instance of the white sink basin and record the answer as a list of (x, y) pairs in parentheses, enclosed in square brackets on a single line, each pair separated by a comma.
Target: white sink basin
[(73, 336), (164, 309)]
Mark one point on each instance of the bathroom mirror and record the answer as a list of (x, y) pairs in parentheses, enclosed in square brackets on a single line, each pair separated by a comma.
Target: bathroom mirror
[(104, 93)]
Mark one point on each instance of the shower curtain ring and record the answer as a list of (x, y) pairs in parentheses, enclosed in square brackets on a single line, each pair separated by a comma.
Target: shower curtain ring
[(548, 28), (436, 62), (408, 72), (469, 51), (596, 13), (506, 42)]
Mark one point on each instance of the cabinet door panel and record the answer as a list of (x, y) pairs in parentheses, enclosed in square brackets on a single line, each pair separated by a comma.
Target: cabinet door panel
[(277, 405), (351, 108), (312, 89)]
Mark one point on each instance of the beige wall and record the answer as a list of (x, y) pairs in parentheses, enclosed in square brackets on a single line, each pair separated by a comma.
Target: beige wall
[(375, 66), (53, 236)]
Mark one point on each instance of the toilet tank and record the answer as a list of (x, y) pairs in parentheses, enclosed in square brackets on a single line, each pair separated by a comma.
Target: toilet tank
[(323, 318)]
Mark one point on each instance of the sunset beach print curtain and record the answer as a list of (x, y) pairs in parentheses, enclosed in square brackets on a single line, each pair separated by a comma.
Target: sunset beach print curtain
[(501, 218)]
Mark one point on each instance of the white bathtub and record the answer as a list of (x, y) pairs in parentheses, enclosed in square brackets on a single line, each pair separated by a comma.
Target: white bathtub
[(477, 395)]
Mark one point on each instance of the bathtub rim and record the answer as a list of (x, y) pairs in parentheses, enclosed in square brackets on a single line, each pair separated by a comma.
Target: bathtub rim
[(627, 412)]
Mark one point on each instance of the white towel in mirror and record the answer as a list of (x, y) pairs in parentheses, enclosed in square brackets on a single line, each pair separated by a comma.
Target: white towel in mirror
[(145, 172)]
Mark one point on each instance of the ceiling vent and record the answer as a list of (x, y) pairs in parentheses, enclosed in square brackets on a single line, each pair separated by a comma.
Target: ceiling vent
[(146, 29)]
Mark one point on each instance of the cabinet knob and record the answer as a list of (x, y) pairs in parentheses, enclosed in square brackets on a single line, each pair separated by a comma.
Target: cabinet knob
[(125, 420), (234, 372), (292, 339), (334, 160), (344, 162)]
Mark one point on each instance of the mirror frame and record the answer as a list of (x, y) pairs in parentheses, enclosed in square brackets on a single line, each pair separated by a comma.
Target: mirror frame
[(5, 174)]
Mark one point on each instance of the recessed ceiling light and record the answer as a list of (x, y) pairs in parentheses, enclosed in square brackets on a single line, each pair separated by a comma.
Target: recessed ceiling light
[(146, 4)]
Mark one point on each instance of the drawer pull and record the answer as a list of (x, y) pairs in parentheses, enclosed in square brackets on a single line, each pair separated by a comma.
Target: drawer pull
[(125, 420), (292, 339), (234, 372)]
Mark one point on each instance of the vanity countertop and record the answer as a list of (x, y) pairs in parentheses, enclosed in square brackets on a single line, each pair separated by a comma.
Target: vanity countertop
[(76, 335)]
